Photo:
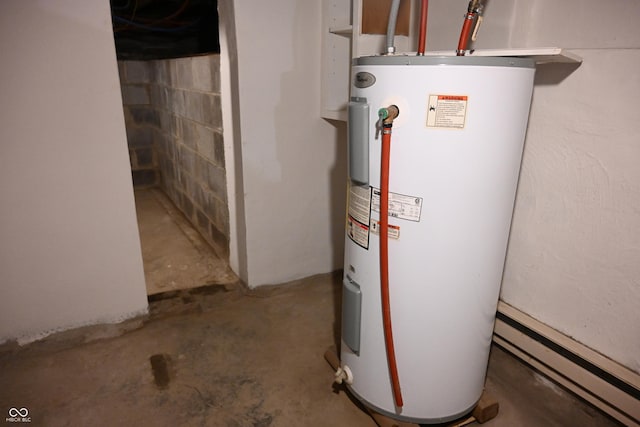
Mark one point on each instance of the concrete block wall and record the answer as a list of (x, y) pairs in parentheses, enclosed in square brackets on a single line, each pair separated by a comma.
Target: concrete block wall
[(141, 121), (186, 95), (174, 125)]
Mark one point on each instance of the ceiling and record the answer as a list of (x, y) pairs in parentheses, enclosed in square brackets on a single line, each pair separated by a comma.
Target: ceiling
[(155, 29)]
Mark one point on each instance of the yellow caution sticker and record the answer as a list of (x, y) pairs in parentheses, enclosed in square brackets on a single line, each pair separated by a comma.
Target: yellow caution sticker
[(447, 111)]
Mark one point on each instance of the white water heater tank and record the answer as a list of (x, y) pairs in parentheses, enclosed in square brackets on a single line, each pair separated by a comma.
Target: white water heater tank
[(455, 157)]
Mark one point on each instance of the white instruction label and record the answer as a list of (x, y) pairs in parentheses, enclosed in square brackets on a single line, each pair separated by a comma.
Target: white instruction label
[(359, 214), (360, 203), (394, 230), (447, 111), (400, 205)]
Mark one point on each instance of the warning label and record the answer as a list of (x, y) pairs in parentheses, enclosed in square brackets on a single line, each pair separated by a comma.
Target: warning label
[(359, 214), (400, 205), (447, 111), (394, 230), (358, 232)]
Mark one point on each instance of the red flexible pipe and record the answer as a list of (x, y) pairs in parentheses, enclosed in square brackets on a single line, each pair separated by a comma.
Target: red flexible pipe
[(422, 38), (465, 33), (384, 265)]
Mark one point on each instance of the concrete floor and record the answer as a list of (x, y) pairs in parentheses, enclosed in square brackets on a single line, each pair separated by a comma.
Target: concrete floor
[(175, 255), (226, 356)]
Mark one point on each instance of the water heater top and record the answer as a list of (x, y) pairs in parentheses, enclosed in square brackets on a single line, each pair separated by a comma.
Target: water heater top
[(487, 61)]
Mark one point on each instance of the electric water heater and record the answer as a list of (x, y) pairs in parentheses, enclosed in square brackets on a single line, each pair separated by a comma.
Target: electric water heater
[(455, 154)]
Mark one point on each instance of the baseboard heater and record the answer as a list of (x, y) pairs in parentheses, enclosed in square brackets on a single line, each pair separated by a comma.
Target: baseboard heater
[(607, 385)]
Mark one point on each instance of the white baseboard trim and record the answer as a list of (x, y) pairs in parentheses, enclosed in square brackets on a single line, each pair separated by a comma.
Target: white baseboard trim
[(605, 384)]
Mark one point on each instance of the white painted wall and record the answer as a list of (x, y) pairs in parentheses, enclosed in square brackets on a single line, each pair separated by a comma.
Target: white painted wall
[(230, 105), (574, 253), (293, 166), (70, 251)]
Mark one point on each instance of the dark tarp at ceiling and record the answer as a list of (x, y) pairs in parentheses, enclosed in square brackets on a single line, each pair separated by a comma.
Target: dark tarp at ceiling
[(155, 29)]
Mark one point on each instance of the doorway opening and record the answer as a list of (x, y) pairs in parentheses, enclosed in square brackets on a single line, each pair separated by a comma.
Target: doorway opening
[(170, 84)]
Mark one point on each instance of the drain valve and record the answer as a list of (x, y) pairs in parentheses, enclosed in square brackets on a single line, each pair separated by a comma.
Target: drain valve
[(344, 374)]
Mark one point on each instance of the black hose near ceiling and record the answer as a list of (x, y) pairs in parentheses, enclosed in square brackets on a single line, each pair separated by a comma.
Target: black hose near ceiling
[(158, 29)]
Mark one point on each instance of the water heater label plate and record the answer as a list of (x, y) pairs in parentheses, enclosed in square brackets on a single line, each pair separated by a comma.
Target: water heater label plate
[(359, 214), (447, 111), (401, 206)]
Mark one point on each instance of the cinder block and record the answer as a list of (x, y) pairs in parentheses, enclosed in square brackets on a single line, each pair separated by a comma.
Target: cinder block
[(214, 116), (212, 206), (202, 73), (172, 191), (222, 218), (161, 68), (173, 126), (168, 171), (137, 71), (202, 170), (181, 177), (189, 134), (198, 106), (167, 98), (186, 205), (184, 73), (172, 151), (155, 94), (199, 196), (187, 159), (202, 220), (190, 187), (144, 157), (173, 73), (218, 148), (144, 115), (179, 129), (201, 108), (165, 121), (192, 106), (220, 215), (217, 181), (135, 94), (177, 102), (205, 142), (215, 72), (144, 177), (219, 239), (139, 136)]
